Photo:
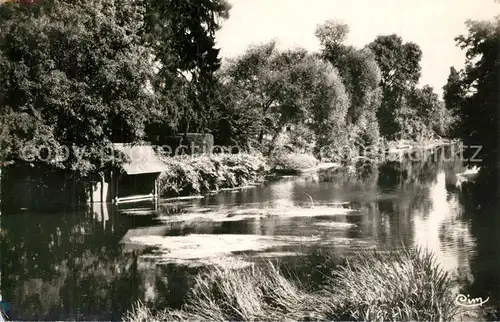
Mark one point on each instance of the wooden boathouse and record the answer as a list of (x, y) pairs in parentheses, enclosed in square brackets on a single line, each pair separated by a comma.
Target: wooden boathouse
[(36, 186), (135, 180)]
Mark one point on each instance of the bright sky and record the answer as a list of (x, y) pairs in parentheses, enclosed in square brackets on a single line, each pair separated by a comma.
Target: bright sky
[(432, 24)]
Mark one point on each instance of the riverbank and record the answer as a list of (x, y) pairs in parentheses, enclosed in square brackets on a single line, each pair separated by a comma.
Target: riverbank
[(409, 145), (402, 285), (197, 175)]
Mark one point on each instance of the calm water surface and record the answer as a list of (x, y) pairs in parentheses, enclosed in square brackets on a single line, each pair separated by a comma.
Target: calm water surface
[(94, 264)]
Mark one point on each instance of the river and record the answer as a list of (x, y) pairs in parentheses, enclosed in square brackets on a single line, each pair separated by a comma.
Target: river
[(94, 264)]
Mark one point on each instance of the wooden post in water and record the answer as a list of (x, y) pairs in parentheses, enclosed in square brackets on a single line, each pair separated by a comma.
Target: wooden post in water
[(156, 188), (111, 186), (115, 197), (102, 186)]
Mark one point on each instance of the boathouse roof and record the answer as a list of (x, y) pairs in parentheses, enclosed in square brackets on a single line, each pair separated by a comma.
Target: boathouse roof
[(143, 159)]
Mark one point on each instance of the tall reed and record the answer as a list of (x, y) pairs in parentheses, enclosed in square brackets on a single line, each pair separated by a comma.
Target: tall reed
[(403, 285)]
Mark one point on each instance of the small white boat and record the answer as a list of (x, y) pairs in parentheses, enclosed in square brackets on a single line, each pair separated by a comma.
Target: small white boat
[(469, 175)]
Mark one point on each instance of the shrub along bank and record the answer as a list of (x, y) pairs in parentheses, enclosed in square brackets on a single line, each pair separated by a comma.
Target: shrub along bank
[(292, 163), (191, 175)]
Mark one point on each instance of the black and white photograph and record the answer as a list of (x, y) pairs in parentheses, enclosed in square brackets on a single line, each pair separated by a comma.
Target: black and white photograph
[(249, 160)]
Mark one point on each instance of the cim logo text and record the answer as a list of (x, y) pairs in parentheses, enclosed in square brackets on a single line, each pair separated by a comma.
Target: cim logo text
[(467, 301)]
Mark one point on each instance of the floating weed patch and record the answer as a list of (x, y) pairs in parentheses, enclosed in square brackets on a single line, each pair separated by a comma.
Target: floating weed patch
[(237, 214), (218, 250), (335, 224)]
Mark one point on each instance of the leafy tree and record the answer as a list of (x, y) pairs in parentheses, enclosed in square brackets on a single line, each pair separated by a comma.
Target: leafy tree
[(479, 113), (238, 123), (182, 35), (443, 121), (361, 76), (454, 98), (453, 92), (431, 110), (422, 115), (329, 105), (74, 75), (276, 89), (252, 88), (358, 68), (332, 35), (400, 67), (399, 62)]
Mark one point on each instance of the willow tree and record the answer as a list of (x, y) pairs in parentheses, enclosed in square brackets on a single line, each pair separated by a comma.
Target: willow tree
[(361, 76), (274, 90)]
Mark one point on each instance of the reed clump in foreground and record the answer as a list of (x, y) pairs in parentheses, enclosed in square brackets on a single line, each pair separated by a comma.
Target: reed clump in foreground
[(405, 285)]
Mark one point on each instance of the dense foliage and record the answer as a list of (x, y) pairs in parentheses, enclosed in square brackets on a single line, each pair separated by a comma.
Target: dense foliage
[(84, 74), (472, 95), (361, 77), (406, 112), (182, 36), (188, 175), (73, 75), (273, 92), (300, 102)]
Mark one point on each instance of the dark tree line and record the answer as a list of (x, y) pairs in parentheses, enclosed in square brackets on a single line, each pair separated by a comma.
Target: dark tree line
[(359, 95), (472, 95), (86, 74)]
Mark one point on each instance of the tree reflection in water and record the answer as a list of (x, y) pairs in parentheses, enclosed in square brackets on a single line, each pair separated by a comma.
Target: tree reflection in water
[(485, 262), (67, 266)]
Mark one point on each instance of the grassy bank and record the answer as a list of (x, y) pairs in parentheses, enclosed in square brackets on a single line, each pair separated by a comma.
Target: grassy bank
[(403, 285)]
